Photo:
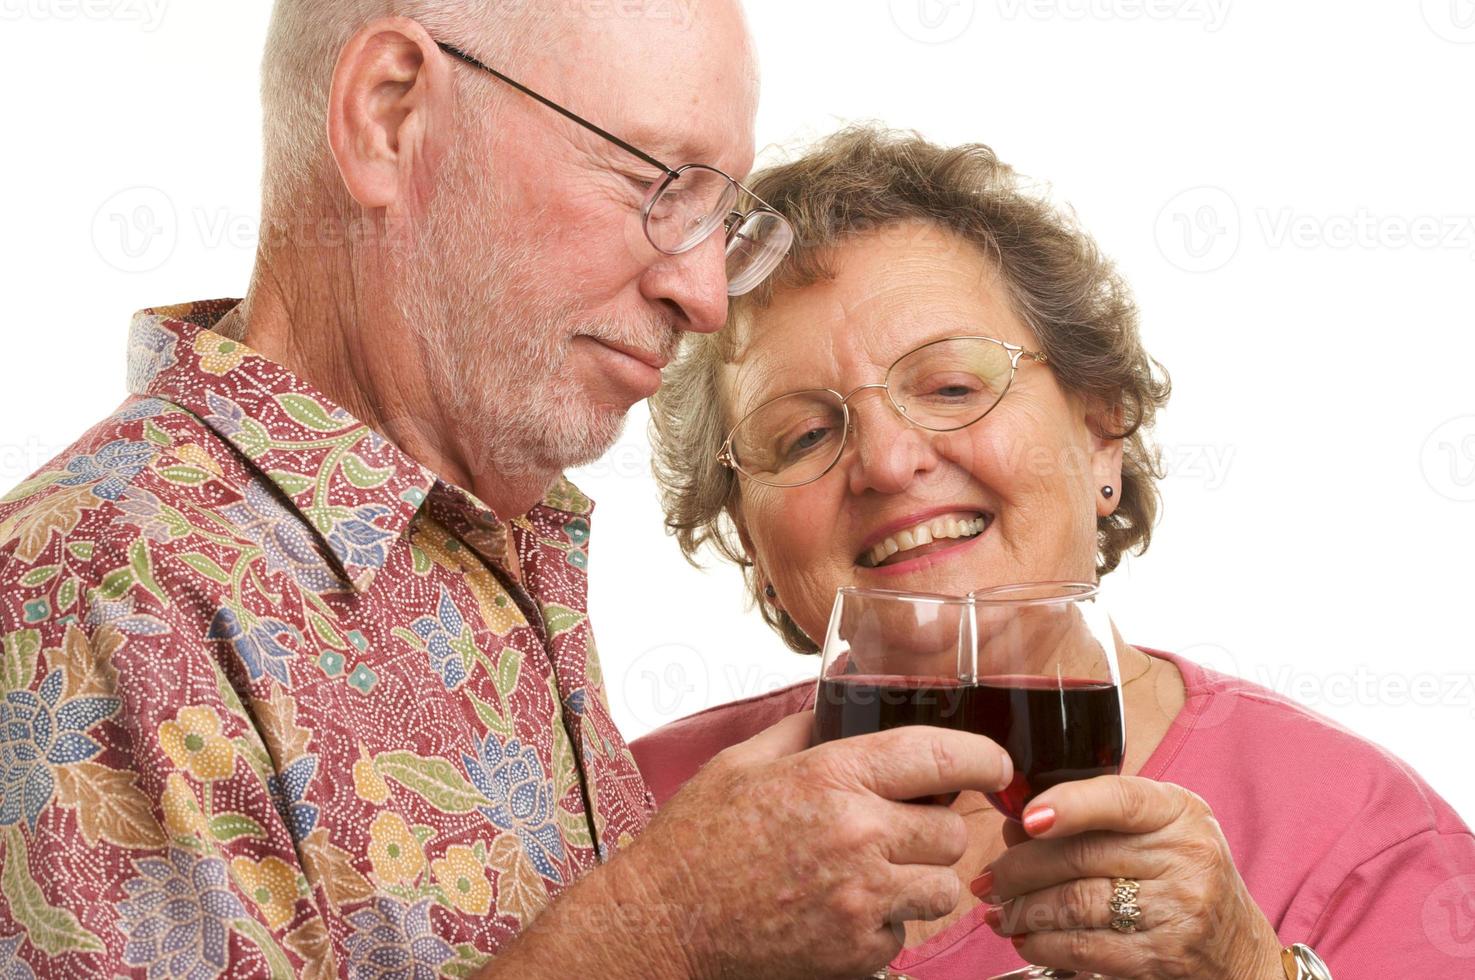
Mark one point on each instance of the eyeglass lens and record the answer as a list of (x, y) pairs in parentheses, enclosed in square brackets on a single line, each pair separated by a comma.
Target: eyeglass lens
[(685, 209)]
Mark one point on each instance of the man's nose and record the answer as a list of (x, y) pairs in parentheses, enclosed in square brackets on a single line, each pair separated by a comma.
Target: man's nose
[(694, 284)]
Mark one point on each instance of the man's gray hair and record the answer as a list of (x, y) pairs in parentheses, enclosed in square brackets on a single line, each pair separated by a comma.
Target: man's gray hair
[(302, 48)]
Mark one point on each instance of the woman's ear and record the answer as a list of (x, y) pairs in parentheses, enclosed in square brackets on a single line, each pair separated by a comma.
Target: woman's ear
[(1104, 447), (391, 94)]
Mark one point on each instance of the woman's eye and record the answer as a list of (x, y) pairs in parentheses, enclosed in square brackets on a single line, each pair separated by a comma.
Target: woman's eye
[(952, 389), (806, 441)]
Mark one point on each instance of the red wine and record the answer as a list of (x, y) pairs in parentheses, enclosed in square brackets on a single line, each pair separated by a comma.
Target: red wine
[(1054, 730)]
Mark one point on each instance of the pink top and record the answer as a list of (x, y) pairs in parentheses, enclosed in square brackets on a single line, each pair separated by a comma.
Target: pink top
[(1343, 846)]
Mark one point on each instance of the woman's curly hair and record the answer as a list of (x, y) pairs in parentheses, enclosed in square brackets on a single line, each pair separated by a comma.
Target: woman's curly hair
[(868, 179)]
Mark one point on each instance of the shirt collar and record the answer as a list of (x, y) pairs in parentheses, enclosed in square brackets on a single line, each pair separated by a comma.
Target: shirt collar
[(353, 487)]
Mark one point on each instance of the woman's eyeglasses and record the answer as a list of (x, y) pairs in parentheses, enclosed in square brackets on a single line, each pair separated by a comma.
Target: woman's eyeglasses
[(943, 386), (687, 204)]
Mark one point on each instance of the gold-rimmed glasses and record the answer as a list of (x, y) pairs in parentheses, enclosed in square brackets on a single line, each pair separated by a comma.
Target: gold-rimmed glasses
[(942, 386)]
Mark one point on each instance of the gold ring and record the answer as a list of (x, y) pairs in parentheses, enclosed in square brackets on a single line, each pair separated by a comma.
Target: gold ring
[(1126, 914)]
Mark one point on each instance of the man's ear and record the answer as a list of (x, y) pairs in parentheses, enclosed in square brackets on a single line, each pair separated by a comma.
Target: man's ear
[(1103, 423), (392, 91)]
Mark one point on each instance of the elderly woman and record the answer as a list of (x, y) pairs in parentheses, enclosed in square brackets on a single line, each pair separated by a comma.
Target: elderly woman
[(1250, 824)]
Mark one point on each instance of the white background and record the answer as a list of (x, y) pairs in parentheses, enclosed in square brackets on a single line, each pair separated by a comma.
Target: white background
[(1287, 186)]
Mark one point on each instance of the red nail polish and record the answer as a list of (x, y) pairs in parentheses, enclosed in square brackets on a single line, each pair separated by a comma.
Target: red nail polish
[(983, 885), (1018, 941), (1039, 820), (992, 916)]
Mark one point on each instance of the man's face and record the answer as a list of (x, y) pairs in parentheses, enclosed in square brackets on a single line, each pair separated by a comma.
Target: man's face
[(540, 305)]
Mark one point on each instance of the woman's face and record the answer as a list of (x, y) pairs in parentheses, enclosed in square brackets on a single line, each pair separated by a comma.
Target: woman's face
[(1031, 470)]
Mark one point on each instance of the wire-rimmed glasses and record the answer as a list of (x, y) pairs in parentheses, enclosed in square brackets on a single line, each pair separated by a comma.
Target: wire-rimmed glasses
[(686, 205), (942, 386)]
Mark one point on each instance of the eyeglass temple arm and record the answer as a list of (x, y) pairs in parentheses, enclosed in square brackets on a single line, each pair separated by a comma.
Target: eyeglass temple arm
[(471, 60), (1016, 353)]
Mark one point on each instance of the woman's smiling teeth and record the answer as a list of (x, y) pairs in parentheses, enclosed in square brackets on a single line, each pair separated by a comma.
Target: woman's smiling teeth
[(923, 534)]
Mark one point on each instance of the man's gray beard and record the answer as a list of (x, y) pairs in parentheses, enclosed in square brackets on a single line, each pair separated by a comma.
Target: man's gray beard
[(495, 338), (497, 355)]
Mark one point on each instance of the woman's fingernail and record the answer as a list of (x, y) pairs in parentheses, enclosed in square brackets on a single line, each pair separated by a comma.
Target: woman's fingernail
[(1039, 820), (992, 916), (1018, 941), (983, 885)]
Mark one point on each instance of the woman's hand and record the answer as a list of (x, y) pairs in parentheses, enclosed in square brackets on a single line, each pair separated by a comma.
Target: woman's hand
[(1198, 919)]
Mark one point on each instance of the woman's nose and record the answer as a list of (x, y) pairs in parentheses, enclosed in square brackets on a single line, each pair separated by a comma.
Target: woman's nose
[(888, 452)]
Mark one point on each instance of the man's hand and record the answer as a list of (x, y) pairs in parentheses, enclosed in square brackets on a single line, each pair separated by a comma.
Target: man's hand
[(788, 861)]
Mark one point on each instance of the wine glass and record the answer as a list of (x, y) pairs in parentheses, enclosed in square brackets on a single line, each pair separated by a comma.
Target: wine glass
[(1047, 653), (1033, 667), (889, 659)]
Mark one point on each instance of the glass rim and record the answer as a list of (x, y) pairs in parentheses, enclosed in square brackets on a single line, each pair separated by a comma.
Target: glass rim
[(1064, 590), (902, 595), (843, 402), (1015, 351)]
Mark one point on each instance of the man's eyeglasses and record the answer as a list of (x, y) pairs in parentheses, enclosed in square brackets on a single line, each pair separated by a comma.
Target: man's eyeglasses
[(943, 386), (687, 204)]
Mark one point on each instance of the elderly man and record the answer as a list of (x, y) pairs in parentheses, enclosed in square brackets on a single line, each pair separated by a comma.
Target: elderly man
[(297, 677)]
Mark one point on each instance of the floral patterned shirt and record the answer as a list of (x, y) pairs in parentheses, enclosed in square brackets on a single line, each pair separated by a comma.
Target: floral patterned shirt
[(277, 701)]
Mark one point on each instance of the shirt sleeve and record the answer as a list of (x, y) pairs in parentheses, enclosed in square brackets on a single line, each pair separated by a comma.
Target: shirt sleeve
[(1409, 911), (145, 829)]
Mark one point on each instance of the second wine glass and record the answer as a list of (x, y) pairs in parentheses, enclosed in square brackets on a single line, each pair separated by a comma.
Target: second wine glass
[(1047, 652)]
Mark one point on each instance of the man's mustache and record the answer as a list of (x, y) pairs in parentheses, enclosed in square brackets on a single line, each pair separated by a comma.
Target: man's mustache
[(657, 337)]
